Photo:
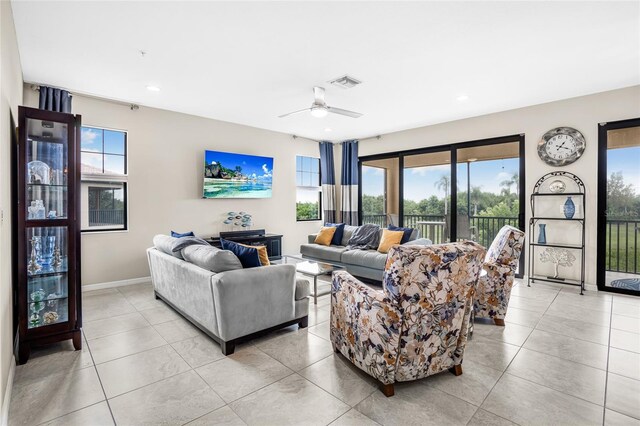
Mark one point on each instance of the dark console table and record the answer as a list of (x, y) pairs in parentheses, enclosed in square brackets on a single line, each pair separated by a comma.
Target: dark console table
[(254, 237)]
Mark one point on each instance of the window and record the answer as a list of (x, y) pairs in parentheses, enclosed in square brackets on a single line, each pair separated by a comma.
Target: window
[(308, 189), (104, 179)]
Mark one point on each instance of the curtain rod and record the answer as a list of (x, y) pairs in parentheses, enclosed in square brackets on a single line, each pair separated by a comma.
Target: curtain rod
[(336, 143)]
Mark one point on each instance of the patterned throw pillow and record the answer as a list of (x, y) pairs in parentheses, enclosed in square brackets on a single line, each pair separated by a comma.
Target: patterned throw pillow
[(389, 239), (325, 235)]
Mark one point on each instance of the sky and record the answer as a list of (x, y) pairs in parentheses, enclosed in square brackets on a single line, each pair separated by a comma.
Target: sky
[(252, 165), (627, 161), (420, 182)]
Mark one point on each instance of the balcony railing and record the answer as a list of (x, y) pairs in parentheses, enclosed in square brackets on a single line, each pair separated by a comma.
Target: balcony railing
[(622, 254), (106, 217), (482, 229)]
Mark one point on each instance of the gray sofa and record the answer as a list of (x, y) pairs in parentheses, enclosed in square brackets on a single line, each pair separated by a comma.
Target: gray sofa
[(361, 263), (232, 305)]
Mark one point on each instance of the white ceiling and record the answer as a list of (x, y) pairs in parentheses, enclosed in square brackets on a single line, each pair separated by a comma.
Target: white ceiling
[(250, 62)]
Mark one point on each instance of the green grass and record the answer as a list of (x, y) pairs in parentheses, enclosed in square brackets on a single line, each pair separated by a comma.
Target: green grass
[(623, 254)]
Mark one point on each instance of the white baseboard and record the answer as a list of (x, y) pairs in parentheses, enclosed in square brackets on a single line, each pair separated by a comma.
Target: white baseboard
[(6, 401), (113, 284)]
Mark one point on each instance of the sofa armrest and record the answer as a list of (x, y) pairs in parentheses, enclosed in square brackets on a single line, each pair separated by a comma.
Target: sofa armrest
[(365, 326), (493, 290), (253, 299), (311, 238)]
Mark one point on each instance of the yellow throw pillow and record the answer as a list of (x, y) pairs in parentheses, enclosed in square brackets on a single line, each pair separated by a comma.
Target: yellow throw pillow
[(389, 239), (262, 254), (325, 235)]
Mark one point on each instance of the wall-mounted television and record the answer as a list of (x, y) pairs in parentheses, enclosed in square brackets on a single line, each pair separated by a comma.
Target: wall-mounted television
[(229, 175)]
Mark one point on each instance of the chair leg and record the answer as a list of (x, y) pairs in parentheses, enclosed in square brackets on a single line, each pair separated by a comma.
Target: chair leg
[(499, 321), (387, 390), (456, 370)]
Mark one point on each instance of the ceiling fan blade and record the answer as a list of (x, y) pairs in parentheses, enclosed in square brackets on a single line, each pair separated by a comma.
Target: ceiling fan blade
[(294, 112), (318, 95), (346, 112)]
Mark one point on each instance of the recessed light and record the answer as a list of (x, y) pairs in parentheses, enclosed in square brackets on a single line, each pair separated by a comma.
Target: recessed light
[(153, 88), (471, 160), (327, 129), (462, 98)]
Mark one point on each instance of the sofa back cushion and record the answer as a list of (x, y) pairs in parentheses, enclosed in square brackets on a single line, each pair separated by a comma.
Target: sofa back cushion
[(347, 233), (248, 255), (211, 258), (337, 237), (165, 243)]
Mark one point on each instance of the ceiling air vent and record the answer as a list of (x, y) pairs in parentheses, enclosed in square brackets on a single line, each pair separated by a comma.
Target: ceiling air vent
[(346, 82)]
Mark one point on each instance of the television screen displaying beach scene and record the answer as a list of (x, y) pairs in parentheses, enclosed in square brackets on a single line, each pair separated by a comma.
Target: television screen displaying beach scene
[(229, 175)]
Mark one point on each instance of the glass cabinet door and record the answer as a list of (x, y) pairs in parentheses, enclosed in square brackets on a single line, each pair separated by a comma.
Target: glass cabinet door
[(47, 276), (46, 180)]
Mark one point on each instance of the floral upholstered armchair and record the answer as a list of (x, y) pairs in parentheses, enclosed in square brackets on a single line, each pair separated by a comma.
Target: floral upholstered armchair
[(494, 288), (417, 324)]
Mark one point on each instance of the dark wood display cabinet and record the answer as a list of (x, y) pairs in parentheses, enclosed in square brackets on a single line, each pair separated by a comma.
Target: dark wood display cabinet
[(47, 295)]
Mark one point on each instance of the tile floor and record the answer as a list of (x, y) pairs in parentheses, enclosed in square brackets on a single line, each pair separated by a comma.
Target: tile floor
[(561, 359)]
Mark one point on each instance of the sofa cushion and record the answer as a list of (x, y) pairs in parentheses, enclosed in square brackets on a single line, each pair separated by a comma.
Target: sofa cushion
[(325, 235), (328, 253), (165, 243), (175, 234), (302, 289), (337, 237), (248, 255), (211, 258), (366, 258), (389, 239), (347, 233), (407, 232)]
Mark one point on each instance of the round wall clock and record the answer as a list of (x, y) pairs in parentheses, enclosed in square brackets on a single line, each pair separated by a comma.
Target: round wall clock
[(561, 146)]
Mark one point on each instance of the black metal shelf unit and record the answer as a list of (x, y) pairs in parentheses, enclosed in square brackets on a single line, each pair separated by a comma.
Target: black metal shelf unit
[(542, 189)]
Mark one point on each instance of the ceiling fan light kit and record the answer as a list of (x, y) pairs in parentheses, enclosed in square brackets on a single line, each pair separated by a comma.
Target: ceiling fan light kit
[(319, 107)]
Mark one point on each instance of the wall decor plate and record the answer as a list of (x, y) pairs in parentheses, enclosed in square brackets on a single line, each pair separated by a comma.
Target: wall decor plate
[(557, 186)]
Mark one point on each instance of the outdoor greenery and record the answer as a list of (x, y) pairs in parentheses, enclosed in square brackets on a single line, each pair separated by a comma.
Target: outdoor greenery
[(623, 227), (307, 211), (622, 200)]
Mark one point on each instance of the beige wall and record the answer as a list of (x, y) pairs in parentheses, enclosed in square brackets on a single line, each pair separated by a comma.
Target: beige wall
[(166, 151), (10, 98), (583, 113)]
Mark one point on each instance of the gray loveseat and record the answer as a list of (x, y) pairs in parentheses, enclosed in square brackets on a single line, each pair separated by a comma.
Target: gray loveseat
[(361, 263), (231, 305)]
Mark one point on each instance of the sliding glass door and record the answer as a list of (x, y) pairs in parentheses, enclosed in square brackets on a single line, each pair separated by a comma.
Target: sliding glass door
[(619, 207), (426, 194), (464, 191)]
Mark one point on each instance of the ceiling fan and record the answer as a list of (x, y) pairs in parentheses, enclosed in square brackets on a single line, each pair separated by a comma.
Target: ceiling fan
[(319, 107)]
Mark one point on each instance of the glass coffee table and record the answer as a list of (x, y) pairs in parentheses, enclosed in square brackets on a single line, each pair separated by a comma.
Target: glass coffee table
[(312, 268)]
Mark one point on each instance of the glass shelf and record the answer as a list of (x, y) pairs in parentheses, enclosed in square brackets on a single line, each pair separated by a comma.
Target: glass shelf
[(48, 312)]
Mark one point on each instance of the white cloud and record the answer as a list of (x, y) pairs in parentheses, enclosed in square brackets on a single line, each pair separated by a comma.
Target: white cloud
[(267, 172), (88, 138)]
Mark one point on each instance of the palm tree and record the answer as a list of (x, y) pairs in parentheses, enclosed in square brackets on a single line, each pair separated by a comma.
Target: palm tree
[(513, 180), (443, 184), (476, 193)]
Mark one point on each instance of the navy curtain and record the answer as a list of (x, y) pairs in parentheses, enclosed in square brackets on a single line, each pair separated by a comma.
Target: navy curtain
[(52, 99), (328, 175), (349, 182)]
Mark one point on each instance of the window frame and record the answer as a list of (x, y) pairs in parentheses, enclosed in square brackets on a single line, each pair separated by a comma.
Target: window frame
[(307, 188), (107, 178)]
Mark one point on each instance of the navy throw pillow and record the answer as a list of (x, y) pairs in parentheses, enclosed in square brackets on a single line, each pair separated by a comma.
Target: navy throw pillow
[(248, 255), (405, 236), (337, 236), (179, 235)]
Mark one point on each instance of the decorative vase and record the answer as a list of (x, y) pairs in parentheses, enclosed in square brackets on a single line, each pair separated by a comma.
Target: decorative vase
[(569, 208), (47, 250), (542, 235)]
